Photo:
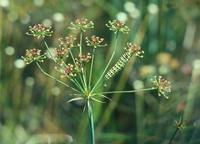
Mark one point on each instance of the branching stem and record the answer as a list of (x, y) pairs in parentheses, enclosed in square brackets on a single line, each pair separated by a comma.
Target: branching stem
[(50, 76)]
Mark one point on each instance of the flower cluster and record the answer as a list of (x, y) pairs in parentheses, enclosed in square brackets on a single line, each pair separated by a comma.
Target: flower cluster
[(81, 24), (134, 49), (95, 41), (84, 58), (33, 55), (61, 53), (67, 70), (65, 44), (39, 31), (117, 26), (162, 85)]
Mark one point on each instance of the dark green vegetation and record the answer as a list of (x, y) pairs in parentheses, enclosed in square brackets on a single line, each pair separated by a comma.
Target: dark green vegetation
[(33, 108)]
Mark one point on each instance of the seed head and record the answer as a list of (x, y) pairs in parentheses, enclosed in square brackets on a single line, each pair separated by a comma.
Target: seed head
[(81, 24), (117, 26), (134, 49), (95, 41), (39, 31), (162, 85), (33, 55)]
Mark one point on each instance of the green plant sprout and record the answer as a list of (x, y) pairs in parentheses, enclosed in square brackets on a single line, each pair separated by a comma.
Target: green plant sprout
[(78, 67)]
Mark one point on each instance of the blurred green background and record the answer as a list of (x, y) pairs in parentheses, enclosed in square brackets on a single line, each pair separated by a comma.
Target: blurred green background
[(33, 108)]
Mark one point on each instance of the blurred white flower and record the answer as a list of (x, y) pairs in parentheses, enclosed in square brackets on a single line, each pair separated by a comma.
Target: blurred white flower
[(152, 8), (9, 50), (47, 22), (58, 17), (163, 70), (122, 16), (129, 6), (4, 3), (29, 81), (19, 63), (138, 84), (38, 2), (135, 13), (56, 91), (25, 19)]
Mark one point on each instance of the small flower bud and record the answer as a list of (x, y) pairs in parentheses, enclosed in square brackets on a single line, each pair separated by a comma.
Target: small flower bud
[(117, 26), (95, 41), (39, 31)]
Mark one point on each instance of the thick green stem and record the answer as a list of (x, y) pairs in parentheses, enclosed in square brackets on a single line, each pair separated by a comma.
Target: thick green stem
[(108, 64), (91, 123)]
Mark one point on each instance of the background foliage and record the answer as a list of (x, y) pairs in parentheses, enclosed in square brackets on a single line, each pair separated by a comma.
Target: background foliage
[(33, 108)]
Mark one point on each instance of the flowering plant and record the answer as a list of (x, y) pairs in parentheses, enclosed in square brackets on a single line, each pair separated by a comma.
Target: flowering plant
[(74, 65)]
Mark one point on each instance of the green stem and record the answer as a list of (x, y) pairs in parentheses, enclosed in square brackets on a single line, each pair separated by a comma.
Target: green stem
[(108, 64), (173, 135), (80, 53), (76, 66), (48, 75), (76, 83), (178, 126), (49, 51), (131, 91), (91, 68), (80, 45), (91, 123)]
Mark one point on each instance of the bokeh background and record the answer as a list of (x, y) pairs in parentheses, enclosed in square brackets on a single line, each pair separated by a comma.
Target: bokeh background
[(33, 108)]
